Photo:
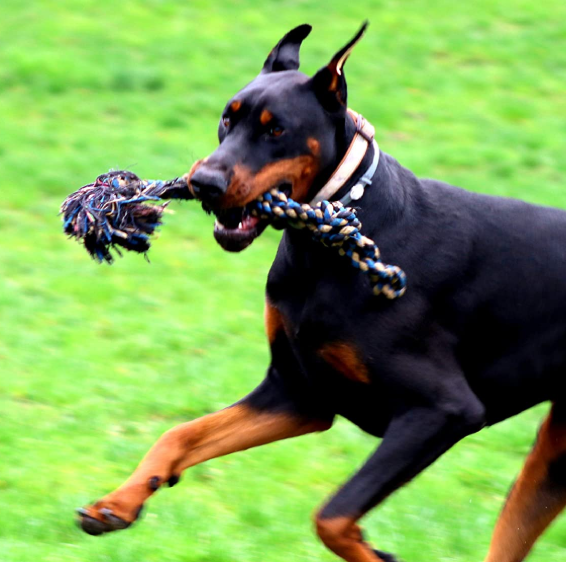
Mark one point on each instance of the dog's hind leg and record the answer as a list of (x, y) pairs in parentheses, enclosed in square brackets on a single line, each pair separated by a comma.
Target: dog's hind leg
[(538, 495), (412, 442)]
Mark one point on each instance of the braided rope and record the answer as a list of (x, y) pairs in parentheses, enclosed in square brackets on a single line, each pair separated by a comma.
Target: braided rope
[(113, 212), (335, 226)]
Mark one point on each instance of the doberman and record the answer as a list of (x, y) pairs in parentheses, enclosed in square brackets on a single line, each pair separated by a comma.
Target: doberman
[(479, 336)]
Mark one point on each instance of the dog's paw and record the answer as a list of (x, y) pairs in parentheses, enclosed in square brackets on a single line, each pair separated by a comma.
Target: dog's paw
[(98, 521), (386, 557), (122, 507), (105, 516)]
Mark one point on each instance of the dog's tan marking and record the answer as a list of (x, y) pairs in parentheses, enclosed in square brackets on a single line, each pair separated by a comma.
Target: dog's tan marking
[(235, 106), (265, 117), (314, 146), (273, 321), (334, 82), (345, 358), (234, 429), (343, 536), (245, 186), (187, 177), (535, 499)]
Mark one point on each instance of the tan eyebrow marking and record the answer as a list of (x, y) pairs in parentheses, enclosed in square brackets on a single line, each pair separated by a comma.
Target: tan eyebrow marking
[(236, 105), (265, 117), (314, 146)]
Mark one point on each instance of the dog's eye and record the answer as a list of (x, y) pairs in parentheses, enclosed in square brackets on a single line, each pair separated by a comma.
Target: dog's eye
[(276, 131), (226, 122)]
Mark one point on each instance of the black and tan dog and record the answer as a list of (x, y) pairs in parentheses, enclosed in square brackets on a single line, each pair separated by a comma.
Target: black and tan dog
[(479, 336)]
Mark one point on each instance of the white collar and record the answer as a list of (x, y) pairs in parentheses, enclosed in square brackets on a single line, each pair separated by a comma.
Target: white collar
[(356, 152)]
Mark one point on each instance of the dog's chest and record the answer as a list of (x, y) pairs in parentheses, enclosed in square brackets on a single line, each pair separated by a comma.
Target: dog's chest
[(315, 307), (320, 313)]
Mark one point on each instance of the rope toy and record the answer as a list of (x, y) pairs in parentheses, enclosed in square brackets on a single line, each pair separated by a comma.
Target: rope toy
[(111, 212), (120, 209)]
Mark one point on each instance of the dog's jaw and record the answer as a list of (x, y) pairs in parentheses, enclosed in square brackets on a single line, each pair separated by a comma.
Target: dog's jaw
[(238, 238), (236, 228)]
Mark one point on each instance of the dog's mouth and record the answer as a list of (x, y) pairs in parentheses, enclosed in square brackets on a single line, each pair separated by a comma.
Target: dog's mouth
[(235, 229)]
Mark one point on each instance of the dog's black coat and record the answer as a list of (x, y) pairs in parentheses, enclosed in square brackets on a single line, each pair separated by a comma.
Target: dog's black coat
[(480, 334), (485, 305)]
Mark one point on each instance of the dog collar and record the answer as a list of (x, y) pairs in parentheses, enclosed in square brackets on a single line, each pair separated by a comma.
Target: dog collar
[(363, 139)]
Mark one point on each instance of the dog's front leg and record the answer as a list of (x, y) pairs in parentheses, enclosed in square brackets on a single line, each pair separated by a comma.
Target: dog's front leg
[(266, 415), (413, 440)]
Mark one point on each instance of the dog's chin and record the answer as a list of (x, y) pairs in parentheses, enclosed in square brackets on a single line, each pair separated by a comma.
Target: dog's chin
[(239, 237)]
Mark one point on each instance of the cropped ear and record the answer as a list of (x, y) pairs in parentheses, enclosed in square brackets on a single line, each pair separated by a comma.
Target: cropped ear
[(285, 55), (329, 83)]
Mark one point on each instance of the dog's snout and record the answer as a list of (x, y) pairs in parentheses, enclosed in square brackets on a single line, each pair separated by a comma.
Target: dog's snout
[(209, 184)]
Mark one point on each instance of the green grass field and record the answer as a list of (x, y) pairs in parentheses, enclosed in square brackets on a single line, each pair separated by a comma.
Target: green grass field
[(96, 362)]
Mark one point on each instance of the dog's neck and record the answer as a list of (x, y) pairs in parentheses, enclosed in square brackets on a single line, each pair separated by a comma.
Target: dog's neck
[(353, 153), (386, 195), (387, 206), (355, 158), (345, 133)]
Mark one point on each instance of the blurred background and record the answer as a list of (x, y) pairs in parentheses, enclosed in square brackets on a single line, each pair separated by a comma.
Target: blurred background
[(97, 361)]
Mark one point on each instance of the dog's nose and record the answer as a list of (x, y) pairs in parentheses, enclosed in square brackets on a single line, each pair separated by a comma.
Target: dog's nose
[(209, 184)]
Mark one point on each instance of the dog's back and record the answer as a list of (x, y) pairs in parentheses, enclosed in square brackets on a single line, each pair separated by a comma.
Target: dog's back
[(488, 273)]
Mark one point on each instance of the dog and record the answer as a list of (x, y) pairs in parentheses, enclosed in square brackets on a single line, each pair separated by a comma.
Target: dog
[(479, 336)]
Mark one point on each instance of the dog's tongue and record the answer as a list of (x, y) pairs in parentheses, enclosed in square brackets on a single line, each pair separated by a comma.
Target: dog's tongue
[(248, 223)]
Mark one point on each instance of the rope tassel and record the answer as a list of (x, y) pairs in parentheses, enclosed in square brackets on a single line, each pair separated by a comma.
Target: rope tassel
[(120, 209), (112, 212)]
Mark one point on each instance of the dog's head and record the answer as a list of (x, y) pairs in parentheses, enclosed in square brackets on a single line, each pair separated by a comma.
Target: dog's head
[(282, 130)]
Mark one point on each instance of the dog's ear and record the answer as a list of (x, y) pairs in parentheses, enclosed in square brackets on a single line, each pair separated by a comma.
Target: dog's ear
[(285, 55), (329, 83)]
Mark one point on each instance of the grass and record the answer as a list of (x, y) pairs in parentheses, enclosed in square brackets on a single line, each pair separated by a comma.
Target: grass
[(98, 361)]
